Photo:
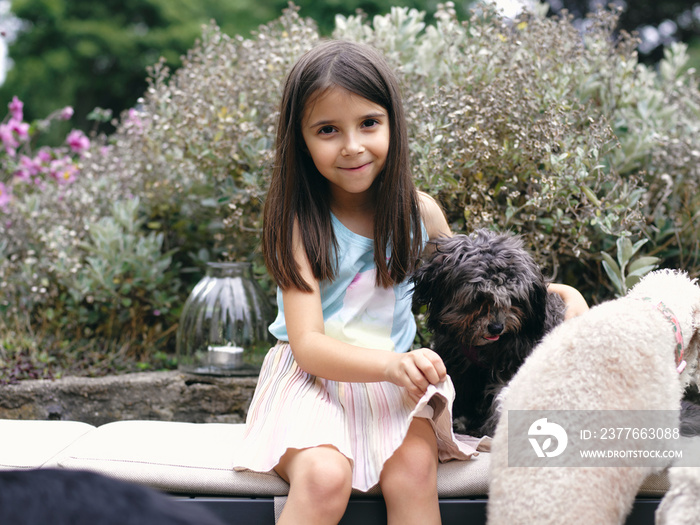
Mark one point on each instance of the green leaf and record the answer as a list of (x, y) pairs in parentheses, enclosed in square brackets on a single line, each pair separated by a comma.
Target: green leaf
[(638, 245), (641, 272), (632, 280), (590, 196), (611, 263), (613, 272), (643, 263), (625, 251)]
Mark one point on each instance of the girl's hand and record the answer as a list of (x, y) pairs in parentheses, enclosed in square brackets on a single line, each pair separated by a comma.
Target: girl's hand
[(416, 370), (574, 301)]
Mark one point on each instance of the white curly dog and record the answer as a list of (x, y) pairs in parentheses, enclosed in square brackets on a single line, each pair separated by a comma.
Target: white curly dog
[(681, 504), (632, 354)]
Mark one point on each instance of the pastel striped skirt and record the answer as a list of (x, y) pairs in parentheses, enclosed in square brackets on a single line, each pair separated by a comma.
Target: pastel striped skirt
[(366, 422)]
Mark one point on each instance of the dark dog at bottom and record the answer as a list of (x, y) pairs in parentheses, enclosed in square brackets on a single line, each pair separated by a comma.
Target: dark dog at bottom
[(487, 308), (73, 497)]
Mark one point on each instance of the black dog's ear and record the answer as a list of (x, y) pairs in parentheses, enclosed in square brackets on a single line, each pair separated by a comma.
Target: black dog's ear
[(535, 311), (554, 313), (538, 299), (546, 311), (422, 285), (427, 279)]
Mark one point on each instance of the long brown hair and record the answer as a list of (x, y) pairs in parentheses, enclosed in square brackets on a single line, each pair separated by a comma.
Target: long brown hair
[(298, 192)]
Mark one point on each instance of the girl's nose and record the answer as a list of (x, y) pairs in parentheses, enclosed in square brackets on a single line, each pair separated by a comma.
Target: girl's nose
[(352, 146)]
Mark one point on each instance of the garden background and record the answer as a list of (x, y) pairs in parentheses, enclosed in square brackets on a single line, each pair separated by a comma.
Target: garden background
[(122, 173)]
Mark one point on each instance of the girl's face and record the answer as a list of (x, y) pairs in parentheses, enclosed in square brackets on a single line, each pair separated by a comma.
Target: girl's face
[(347, 137)]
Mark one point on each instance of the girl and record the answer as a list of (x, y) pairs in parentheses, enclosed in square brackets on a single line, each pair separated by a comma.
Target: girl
[(341, 402)]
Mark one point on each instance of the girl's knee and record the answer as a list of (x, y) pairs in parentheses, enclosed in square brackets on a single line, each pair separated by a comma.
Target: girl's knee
[(413, 467), (322, 477), (410, 474), (329, 477)]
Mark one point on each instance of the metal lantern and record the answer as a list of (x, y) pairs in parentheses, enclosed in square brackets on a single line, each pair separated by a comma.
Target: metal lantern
[(224, 318)]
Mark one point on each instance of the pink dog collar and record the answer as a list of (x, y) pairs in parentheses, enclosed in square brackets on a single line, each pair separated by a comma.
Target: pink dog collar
[(661, 307)]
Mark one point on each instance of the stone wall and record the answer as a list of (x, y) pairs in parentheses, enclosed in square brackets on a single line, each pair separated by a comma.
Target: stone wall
[(164, 396)]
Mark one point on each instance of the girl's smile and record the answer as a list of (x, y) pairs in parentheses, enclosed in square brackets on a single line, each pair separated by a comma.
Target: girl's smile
[(358, 168), (347, 137)]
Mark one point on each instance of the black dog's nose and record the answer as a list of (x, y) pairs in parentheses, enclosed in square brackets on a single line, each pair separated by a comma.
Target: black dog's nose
[(495, 328)]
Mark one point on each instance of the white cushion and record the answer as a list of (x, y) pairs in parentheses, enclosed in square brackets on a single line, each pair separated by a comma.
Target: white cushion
[(198, 458), (26, 444), (654, 485), (192, 458), (464, 478)]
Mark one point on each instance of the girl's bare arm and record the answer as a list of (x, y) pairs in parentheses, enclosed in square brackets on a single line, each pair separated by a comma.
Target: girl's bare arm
[(433, 217), (323, 356), (574, 301)]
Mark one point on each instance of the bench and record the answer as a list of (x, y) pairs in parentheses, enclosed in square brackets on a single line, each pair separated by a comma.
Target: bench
[(193, 463)]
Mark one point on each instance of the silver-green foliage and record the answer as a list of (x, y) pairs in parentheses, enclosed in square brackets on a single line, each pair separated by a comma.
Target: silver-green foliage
[(124, 265), (623, 272), (551, 130), (501, 134)]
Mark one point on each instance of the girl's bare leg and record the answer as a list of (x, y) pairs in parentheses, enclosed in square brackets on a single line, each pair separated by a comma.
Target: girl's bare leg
[(409, 478), (320, 481)]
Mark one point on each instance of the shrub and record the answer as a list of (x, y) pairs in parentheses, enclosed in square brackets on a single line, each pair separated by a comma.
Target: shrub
[(37, 200), (76, 264), (501, 134), (533, 125)]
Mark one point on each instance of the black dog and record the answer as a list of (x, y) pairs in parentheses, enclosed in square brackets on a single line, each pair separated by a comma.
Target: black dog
[(73, 497), (487, 307)]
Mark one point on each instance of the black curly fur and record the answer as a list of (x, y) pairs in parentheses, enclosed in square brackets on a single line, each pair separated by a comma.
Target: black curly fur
[(477, 289)]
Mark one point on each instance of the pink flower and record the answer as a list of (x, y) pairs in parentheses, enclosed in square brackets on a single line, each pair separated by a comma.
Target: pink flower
[(10, 132), (133, 119), (4, 196), (77, 141), (63, 170), (8, 139), (44, 156), (16, 107), (66, 113), (23, 175), (19, 127), (32, 165), (27, 168), (68, 174)]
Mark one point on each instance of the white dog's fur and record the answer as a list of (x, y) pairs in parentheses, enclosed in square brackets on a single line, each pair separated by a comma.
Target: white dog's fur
[(620, 355), (681, 504)]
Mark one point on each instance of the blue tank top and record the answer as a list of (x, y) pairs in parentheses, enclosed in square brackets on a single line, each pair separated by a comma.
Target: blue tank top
[(355, 310)]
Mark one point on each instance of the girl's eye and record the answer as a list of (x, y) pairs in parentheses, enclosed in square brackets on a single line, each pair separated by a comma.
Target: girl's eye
[(326, 130), (370, 123)]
